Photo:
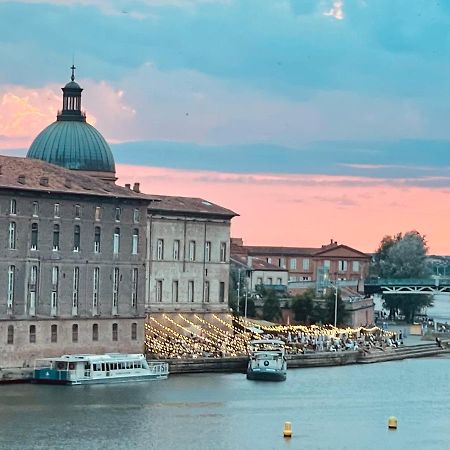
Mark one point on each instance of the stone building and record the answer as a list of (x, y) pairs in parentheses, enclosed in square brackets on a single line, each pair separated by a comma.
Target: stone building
[(83, 260)]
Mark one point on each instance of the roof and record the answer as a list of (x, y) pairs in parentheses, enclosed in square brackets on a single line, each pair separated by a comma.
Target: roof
[(190, 205), (34, 175), (74, 145), (256, 263), (262, 250)]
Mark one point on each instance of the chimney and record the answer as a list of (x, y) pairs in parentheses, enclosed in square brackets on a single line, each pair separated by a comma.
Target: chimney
[(136, 187), (21, 179), (43, 181), (128, 185)]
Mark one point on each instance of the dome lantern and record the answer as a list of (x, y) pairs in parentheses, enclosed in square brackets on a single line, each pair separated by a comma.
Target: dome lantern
[(71, 142)]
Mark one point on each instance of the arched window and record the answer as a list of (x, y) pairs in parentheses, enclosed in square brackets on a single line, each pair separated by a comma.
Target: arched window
[(55, 237), (135, 242), (95, 332), (12, 235), (115, 332), (97, 235), (75, 332), (54, 333), (76, 238), (34, 236), (32, 334), (134, 331), (116, 241)]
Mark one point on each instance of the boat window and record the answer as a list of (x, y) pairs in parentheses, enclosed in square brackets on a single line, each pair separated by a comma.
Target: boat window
[(121, 365), (103, 367)]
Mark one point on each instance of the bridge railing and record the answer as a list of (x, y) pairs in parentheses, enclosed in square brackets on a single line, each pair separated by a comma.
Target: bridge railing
[(433, 281)]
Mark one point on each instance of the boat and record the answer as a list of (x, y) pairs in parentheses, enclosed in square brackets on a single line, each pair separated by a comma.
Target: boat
[(267, 360), (98, 369)]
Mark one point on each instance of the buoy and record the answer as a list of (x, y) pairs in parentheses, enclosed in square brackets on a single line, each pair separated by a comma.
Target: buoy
[(287, 431), (392, 423)]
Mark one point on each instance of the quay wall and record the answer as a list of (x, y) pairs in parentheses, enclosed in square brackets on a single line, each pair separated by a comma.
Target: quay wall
[(239, 364)]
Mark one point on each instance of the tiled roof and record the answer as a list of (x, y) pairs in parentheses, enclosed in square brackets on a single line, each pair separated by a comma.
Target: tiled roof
[(34, 175), (260, 250), (164, 203), (256, 263)]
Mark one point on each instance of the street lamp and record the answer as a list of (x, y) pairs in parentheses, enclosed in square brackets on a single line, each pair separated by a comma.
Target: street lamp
[(238, 289), (335, 303)]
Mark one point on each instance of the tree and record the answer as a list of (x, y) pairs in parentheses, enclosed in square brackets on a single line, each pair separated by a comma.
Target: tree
[(403, 256), (303, 306), (329, 308), (271, 305)]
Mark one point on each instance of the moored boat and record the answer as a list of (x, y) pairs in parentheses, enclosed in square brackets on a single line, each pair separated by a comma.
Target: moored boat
[(97, 369), (267, 360)]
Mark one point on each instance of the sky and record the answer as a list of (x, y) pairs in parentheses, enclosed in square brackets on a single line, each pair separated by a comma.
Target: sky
[(311, 119)]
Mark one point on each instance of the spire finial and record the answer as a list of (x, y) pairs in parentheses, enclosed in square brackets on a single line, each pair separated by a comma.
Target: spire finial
[(73, 72)]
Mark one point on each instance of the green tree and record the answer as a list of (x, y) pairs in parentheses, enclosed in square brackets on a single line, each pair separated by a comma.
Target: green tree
[(329, 308), (271, 306), (303, 306), (403, 256)]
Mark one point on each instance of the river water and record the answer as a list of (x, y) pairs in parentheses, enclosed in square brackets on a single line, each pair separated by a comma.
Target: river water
[(330, 408)]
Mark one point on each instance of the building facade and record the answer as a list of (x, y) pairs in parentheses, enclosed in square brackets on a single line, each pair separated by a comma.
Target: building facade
[(84, 261)]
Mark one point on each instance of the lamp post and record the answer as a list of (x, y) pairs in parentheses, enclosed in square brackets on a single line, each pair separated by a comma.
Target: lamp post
[(335, 303), (238, 289)]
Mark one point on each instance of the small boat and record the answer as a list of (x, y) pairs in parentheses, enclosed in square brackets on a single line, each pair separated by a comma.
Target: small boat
[(97, 369), (267, 360)]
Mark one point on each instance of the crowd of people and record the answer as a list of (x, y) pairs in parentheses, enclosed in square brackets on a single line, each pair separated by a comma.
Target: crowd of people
[(196, 338)]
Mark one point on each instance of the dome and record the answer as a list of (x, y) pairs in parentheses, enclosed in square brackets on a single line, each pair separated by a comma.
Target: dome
[(74, 145)]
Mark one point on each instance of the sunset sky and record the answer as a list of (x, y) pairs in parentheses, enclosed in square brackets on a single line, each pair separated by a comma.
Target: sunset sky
[(312, 119)]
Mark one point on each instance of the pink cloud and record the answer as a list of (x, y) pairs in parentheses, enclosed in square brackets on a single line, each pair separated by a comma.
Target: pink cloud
[(308, 210)]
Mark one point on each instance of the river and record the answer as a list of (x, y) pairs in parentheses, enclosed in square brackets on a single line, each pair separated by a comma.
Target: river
[(330, 408)]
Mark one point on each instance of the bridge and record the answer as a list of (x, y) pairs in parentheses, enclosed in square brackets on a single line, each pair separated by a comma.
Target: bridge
[(385, 286)]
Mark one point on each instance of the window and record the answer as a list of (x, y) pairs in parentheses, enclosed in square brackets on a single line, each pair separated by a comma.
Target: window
[(98, 213), (159, 287), (74, 332), (77, 212), (34, 236), (293, 264), (342, 266), (97, 232), (95, 332), (116, 241), (176, 250), (259, 280), (305, 263), (32, 288), (327, 264), (282, 263), (160, 249), (12, 236), (206, 292), (223, 252), (11, 286), (55, 237), (269, 280), (207, 251), (95, 288), (56, 210), (136, 215), (135, 242), (279, 281), (12, 207), (191, 291), (115, 332), (134, 287), (10, 336), (117, 214), (54, 292), (175, 291), (76, 238), (191, 250), (355, 266), (269, 260), (54, 333), (116, 277), (134, 331), (76, 288), (35, 209), (221, 292), (32, 335)]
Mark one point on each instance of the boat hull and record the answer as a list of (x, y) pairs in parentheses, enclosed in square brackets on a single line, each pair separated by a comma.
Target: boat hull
[(265, 375)]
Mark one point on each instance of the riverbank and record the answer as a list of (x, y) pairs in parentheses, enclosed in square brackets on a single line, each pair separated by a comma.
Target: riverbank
[(302, 361)]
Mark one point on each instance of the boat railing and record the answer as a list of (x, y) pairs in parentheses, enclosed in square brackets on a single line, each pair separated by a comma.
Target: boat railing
[(158, 368)]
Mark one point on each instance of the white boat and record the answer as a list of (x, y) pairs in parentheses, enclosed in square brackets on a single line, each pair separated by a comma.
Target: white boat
[(267, 360), (96, 369)]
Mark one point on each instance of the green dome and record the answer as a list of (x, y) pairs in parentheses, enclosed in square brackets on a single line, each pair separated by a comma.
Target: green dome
[(74, 145)]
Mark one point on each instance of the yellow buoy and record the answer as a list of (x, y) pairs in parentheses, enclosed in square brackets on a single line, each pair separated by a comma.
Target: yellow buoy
[(287, 431), (392, 423)]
